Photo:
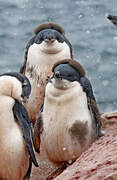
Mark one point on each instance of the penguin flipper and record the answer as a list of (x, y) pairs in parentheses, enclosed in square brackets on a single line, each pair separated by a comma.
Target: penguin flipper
[(38, 128), (96, 117), (92, 105), (27, 176), (22, 117)]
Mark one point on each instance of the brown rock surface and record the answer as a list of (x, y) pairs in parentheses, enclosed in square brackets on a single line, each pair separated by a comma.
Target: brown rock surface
[(99, 162), (45, 168)]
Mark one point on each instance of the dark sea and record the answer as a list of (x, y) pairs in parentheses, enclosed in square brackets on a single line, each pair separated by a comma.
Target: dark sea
[(93, 37)]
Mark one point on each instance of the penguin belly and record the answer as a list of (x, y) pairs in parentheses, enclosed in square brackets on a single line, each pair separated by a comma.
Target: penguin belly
[(67, 124), (13, 154)]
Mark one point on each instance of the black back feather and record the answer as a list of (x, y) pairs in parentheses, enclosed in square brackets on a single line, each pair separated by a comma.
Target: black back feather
[(85, 83), (22, 117)]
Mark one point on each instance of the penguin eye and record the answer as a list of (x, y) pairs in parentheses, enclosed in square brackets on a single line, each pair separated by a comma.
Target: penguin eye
[(60, 39), (39, 41)]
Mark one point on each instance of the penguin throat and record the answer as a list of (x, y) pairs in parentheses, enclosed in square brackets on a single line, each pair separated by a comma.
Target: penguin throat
[(51, 48), (61, 84)]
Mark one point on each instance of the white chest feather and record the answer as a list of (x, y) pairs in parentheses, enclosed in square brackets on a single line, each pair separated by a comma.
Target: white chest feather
[(67, 123), (12, 146)]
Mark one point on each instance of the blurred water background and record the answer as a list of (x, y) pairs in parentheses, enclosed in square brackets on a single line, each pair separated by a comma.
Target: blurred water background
[(93, 37)]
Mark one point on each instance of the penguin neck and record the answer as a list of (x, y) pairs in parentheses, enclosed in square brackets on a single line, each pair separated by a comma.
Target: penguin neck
[(56, 94), (37, 56)]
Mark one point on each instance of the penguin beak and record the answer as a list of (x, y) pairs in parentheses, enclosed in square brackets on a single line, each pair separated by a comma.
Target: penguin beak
[(49, 40), (24, 100), (57, 75)]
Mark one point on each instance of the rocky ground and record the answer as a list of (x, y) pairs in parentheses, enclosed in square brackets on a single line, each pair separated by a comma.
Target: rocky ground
[(99, 162)]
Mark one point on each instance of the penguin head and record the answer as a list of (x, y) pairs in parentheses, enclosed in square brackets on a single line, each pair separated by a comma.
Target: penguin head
[(50, 38), (113, 19), (50, 41), (66, 72), (15, 85)]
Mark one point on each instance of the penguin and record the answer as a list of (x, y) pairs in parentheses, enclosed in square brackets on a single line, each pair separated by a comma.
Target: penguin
[(69, 121), (113, 19), (16, 147), (46, 47)]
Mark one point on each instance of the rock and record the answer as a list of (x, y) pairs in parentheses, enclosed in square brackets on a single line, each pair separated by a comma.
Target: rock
[(45, 168)]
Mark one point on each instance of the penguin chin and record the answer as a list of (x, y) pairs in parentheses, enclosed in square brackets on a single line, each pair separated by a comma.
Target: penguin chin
[(52, 47), (63, 84)]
